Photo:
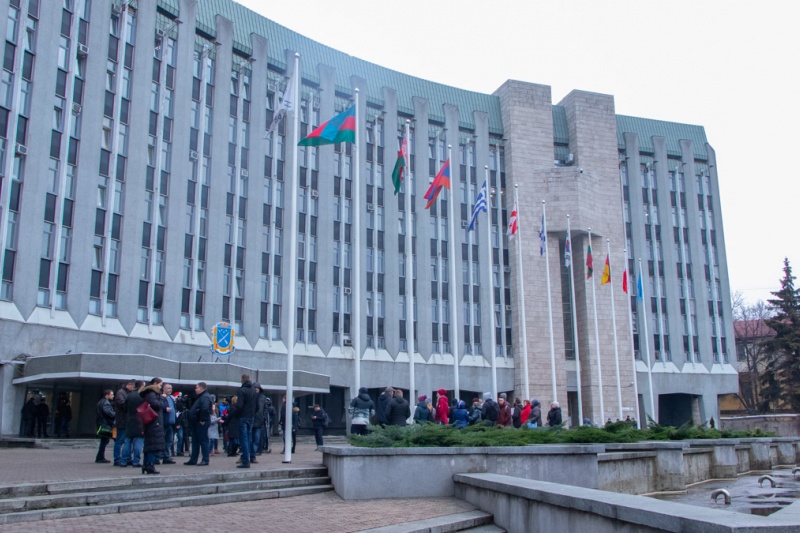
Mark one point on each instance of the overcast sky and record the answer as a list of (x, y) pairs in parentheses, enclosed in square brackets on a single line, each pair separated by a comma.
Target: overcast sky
[(731, 67)]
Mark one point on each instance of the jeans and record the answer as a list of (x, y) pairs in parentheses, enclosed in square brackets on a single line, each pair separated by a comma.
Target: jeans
[(199, 442), (169, 439), (179, 436), (101, 451), (256, 443), (245, 437), (150, 458), (138, 444), (358, 429), (318, 434), (118, 442)]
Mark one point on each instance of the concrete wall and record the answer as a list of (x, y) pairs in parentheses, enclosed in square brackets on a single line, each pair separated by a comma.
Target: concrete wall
[(782, 425), (527, 505)]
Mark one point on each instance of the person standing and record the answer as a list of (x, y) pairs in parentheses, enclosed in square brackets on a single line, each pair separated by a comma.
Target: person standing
[(154, 431), (247, 409), (399, 411), (361, 409), (319, 419), (516, 413), (63, 416), (475, 414), (181, 430), (259, 421), (104, 418), (490, 410), (422, 414), (121, 418), (460, 415), (295, 424), (535, 416), (504, 416), (134, 429), (169, 415), (199, 418), (42, 416), (213, 431), (554, 415), (384, 401), (442, 407), (28, 418)]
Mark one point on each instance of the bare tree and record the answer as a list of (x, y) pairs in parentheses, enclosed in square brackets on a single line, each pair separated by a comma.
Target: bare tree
[(751, 330)]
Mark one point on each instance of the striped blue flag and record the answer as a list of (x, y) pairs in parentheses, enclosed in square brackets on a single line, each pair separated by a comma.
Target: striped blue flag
[(542, 237), (480, 205)]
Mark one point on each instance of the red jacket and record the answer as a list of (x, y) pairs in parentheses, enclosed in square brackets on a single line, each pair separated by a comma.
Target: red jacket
[(526, 412), (504, 418), (442, 410)]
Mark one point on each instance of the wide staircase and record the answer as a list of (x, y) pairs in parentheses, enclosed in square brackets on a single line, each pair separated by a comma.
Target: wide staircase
[(67, 499)]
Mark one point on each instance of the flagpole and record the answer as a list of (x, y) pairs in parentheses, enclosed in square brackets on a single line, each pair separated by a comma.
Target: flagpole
[(597, 345), (355, 317), (549, 304), (614, 328), (522, 299), (575, 326), (409, 272), (292, 281), (640, 285), (491, 288), (633, 352), (453, 291)]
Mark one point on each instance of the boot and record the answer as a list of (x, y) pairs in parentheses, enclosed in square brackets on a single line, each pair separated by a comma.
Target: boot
[(150, 469)]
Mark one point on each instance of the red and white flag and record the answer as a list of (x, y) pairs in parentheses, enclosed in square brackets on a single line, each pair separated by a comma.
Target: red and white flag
[(512, 222)]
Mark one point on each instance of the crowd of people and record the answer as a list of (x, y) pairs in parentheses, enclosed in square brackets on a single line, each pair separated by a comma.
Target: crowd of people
[(151, 426)]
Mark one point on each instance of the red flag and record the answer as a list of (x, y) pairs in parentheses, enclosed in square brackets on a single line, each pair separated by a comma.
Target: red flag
[(625, 281), (512, 222), (442, 180)]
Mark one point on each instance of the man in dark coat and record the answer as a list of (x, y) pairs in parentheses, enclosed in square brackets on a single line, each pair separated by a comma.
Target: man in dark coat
[(105, 418), (134, 431), (260, 420), (384, 401), (247, 413), (398, 411), (554, 415), (121, 420), (199, 418)]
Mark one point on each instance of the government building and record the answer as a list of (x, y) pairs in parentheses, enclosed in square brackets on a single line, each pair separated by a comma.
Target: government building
[(144, 201)]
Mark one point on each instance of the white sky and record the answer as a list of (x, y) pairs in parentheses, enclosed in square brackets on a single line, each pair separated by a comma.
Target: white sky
[(730, 66)]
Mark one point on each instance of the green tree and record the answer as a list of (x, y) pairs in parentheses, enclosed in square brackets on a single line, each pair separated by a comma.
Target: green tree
[(780, 383)]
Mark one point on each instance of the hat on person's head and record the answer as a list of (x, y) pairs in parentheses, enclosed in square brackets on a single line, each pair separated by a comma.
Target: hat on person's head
[(461, 404), (362, 390), (257, 386), (422, 397), (487, 396), (476, 400), (503, 395), (442, 392)]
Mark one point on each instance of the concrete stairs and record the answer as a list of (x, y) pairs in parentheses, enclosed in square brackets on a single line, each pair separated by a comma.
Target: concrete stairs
[(47, 501), (475, 521)]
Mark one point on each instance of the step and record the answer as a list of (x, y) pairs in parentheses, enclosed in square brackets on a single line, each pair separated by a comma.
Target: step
[(489, 528), (149, 505), (465, 521)]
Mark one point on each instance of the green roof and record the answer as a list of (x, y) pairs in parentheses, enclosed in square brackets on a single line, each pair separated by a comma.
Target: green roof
[(312, 53), (674, 132)]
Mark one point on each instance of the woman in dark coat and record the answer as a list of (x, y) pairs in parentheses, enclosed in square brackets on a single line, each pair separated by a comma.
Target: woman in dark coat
[(231, 422), (154, 431)]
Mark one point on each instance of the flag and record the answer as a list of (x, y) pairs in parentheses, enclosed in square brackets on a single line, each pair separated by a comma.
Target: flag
[(480, 205), (589, 262), (286, 105), (567, 253), (339, 129), (512, 222), (639, 288), (625, 281), (606, 277), (442, 180), (542, 237), (400, 165)]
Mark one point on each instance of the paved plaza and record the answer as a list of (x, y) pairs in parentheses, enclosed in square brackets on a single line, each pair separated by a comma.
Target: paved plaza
[(324, 512)]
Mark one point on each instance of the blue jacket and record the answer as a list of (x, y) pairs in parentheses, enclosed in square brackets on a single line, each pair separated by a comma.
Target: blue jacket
[(460, 418)]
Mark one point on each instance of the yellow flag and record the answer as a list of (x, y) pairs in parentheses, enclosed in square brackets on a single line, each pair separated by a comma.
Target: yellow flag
[(606, 273)]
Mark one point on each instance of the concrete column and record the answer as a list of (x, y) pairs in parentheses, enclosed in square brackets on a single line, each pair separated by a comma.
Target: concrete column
[(759, 453)]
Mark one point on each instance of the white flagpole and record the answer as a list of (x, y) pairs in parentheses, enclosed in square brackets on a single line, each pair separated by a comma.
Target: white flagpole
[(549, 306), (355, 317), (452, 264), (614, 328), (522, 298), (633, 352), (292, 281), (409, 270), (575, 325), (646, 340), (491, 287), (597, 344)]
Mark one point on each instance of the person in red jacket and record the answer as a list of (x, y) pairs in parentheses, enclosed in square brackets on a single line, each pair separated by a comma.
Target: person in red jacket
[(504, 418), (442, 407), (526, 412)]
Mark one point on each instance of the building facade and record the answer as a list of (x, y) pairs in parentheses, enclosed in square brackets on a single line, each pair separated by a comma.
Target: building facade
[(142, 203)]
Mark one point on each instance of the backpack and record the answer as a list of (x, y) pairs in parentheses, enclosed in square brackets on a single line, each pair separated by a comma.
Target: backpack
[(491, 410), (326, 420)]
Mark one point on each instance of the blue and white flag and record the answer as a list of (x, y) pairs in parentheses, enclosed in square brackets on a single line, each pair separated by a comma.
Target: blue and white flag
[(542, 237), (480, 205), (568, 252)]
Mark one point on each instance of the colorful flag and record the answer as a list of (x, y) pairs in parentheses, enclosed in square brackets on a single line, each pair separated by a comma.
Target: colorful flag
[(480, 205), (625, 281), (589, 262), (606, 277), (542, 237), (339, 129), (639, 287), (442, 180), (400, 165), (286, 105), (567, 253), (512, 222)]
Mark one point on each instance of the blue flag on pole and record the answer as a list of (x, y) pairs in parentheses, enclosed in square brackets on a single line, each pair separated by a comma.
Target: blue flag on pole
[(480, 205)]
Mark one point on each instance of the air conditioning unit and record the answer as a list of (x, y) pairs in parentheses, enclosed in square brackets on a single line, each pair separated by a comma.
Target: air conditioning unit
[(272, 87), (347, 290), (508, 308), (314, 193), (245, 173), (160, 33), (22, 149), (83, 50), (370, 207), (464, 224), (117, 10), (506, 269), (347, 342), (193, 155), (76, 108)]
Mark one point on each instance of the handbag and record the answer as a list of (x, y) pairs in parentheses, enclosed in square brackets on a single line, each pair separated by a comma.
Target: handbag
[(146, 413), (103, 432)]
